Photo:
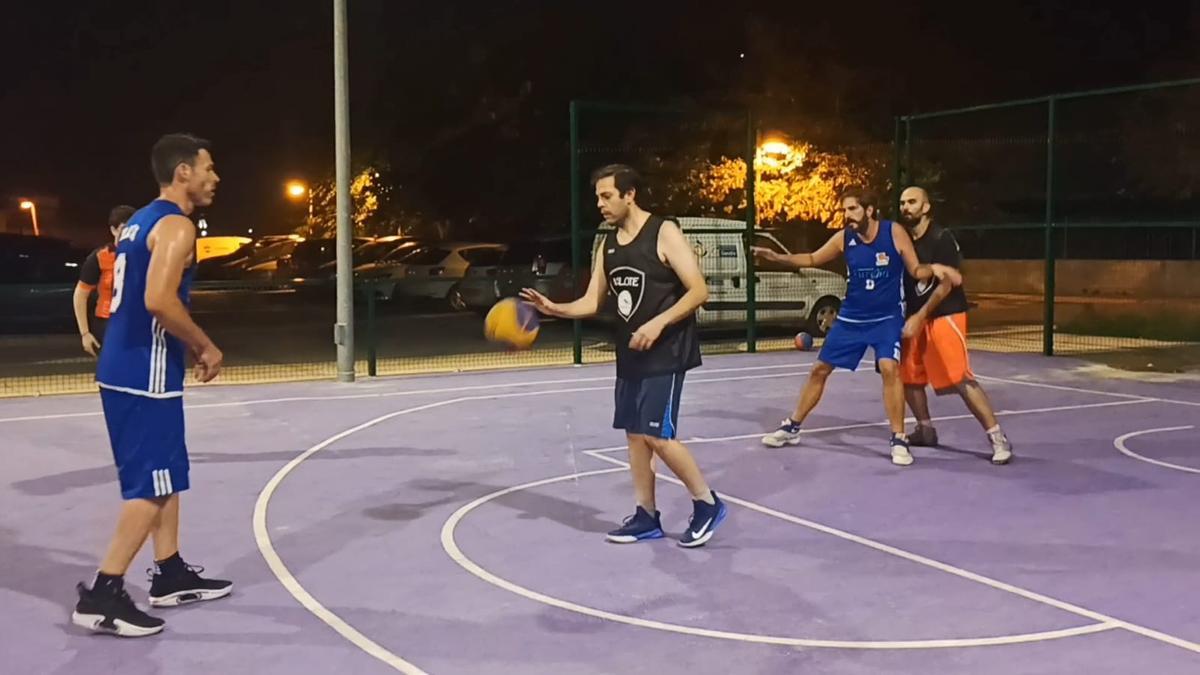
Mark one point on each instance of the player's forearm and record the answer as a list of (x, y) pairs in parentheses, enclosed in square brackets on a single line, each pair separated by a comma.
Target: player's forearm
[(579, 309), (684, 307), (174, 318), (799, 260), (80, 301), (921, 272), (939, 294)]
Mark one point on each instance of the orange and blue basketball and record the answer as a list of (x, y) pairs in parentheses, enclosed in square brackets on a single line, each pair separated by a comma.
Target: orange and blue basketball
[(804, 341), (512, 322)]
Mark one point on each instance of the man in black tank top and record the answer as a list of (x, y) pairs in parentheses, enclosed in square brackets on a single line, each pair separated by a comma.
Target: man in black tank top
[(935, 333), (652, 273)]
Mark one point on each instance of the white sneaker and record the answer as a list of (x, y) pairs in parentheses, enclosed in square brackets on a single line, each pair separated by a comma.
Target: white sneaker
[(900, 454), (1001, 448), (788, 433)]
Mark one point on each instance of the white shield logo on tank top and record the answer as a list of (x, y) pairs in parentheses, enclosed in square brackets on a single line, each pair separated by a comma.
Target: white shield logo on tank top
[(628, 284)]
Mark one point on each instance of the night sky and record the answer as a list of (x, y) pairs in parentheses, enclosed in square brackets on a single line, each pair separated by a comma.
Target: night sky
[(467, 101)]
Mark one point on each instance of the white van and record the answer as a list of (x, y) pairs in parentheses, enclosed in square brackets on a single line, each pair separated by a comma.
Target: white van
[(807, 298)]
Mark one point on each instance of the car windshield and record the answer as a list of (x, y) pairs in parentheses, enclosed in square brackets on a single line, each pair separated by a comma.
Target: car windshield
[(427, 256)]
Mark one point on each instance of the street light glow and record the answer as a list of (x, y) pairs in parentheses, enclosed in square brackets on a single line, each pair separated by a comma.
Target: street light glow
[(776, 148), (26, 204), (296, 189)]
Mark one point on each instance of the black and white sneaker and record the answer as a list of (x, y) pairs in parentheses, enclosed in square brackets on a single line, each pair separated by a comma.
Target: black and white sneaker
[(113, 613), (185, 588), (638, 527), (704, 522)]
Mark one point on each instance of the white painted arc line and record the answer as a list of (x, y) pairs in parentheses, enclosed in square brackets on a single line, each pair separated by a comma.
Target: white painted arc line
[(262, 538), (450, 545), (944, 567), (262, 535), (1120, 444), (868, 425), (414, 392)]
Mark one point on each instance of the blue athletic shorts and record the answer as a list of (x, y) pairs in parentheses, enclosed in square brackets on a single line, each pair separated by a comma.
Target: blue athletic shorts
[(847, 342), (649, 406), (147, 443)]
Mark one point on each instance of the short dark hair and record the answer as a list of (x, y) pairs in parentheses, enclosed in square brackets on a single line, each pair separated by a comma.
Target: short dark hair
[(624, 176), (172, 150), (864, 197), (119, 215)]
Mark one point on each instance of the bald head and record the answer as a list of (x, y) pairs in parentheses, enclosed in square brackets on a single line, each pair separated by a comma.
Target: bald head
[(914, 206)]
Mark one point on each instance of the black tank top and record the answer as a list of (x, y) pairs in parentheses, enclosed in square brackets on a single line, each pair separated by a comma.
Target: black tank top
[(643, 287)]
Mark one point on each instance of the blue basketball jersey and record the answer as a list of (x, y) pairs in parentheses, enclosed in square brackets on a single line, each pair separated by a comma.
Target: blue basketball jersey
[(139, 356), (875, 277)]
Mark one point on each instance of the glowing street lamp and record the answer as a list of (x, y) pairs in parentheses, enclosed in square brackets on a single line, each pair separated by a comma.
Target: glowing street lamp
[(27, 205), (780, 156), (297, 190)]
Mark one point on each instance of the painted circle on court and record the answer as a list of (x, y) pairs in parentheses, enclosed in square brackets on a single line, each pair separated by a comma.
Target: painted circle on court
[(450, 545), (1121, 443)]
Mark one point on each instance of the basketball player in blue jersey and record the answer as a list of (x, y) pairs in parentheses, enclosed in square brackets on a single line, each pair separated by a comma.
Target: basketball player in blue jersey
[(651, 270), (877, 255), (140, 374)]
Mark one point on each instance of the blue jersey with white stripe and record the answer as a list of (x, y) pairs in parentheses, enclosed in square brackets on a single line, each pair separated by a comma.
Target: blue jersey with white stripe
[(875, 277), (139, 356)]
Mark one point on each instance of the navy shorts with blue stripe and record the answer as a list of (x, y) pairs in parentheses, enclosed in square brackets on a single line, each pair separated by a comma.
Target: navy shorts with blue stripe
[(649, 406), (847, 342), (147, 443)]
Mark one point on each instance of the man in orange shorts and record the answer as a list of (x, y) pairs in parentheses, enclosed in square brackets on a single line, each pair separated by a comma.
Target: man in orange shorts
[(934, 344)]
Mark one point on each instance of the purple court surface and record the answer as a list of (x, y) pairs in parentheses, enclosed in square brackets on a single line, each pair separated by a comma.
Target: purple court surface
[(454, 524)]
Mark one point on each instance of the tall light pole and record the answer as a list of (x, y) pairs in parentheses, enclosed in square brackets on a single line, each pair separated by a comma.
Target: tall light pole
[(29, 206), (343, 330)]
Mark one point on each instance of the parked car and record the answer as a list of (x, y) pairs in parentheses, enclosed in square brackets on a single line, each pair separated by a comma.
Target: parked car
[(477, 291), (431, 271), (544, 265), (305, 261), (37, 277)]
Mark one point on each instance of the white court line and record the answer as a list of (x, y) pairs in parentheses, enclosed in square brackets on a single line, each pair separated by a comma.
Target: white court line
[(1081, 390), (532, 383), (262, 534), (292, 585), (1119, 443), (867, 425), (941, 566), (414, 392), (450, 546)]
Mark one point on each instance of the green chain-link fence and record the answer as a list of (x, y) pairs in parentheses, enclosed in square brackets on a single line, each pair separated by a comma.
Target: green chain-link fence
[(1078, 215)]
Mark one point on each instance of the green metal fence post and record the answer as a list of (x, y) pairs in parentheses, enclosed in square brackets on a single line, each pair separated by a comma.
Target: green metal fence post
[(751, 216), (576, 245), (1048, 289), (372, 341)]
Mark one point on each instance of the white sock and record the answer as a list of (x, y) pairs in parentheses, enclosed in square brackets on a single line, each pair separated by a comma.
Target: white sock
[(994, 430)]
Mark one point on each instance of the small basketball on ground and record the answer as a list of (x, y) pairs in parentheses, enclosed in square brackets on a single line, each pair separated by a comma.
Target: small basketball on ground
[(512, 322), (804, 341)]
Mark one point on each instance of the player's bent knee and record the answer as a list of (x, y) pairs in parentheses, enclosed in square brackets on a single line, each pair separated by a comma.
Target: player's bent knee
[(821, 371), (889, 368)]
